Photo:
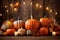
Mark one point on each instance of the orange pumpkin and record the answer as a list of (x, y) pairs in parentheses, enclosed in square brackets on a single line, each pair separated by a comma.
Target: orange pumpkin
[(46, 21), (32, 24), (18, 24), (10, 32), (43, 31)]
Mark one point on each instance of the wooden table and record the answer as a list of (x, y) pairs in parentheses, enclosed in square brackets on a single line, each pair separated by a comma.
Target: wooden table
[(30, 38)]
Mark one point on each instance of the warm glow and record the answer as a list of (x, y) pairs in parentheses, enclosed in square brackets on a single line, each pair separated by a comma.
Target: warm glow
[(56, 13), (24, 3), (53, 33), (40, 6), (31, 3), (5, 6), (7, 10), (50, 11), (0, 14), (37, 5), (11, 5), (47, 8), (15, 9), (17, 4)]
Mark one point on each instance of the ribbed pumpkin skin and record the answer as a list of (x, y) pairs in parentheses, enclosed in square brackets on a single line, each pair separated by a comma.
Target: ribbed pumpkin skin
[(32, 24), (43, 31), (10, 32), (46, 21), (18, 24)]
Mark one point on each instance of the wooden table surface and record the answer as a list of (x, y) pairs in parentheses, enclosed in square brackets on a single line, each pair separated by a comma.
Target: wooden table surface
[(30, 38)]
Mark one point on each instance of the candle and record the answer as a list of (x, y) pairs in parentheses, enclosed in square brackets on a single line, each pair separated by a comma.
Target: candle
[(16, 34), (53, 33)]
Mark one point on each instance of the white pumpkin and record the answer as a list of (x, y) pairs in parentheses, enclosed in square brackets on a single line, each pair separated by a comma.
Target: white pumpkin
[(18, 24), (28, 32), (21, 31)]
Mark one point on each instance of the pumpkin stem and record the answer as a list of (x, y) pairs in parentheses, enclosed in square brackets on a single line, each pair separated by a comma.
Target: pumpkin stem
[(18, 17), (18, 21), (21, 28), (31, 17)]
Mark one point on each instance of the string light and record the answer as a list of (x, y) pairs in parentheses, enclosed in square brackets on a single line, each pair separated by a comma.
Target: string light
[(31, 3), (7, 11), (47, 8), (50, 11), (24, 3), (56, 13), (37, 5), (40, 6), (5, 6), (17, 4), (0, 14), (11, 5), (15, 9)]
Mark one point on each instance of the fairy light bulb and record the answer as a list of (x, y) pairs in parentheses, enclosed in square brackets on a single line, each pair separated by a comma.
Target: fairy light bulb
[(37, 5), (31, 3), (11, 5), (47, 8), (7, 11), (5, 6), (56, 13), (50, 11), (40, 6), (15, 9), (24, 3)]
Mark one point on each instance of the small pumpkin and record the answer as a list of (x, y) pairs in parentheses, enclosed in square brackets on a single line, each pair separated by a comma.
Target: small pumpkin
[(21, 31), (18, 24), (28, 32), (6, 24), (43, 31), (10, 32), (46, 21)]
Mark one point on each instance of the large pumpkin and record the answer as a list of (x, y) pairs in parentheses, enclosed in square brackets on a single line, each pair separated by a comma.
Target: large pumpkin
[(32, 24), (46, 21), (18, 24), (43, 31)]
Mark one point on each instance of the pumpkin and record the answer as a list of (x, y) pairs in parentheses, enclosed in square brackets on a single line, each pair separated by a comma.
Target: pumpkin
[(21, 31), (32, 24), (10, 31), (28, 32), (18, 24), (7, 24), (46, 21), (43, 31), (1, 32)]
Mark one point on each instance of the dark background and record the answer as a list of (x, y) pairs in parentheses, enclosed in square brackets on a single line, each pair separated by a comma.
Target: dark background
[(34, 11)]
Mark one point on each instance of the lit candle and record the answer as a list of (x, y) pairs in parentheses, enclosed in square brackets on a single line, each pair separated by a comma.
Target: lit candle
[(16, 34), (53, 33)]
